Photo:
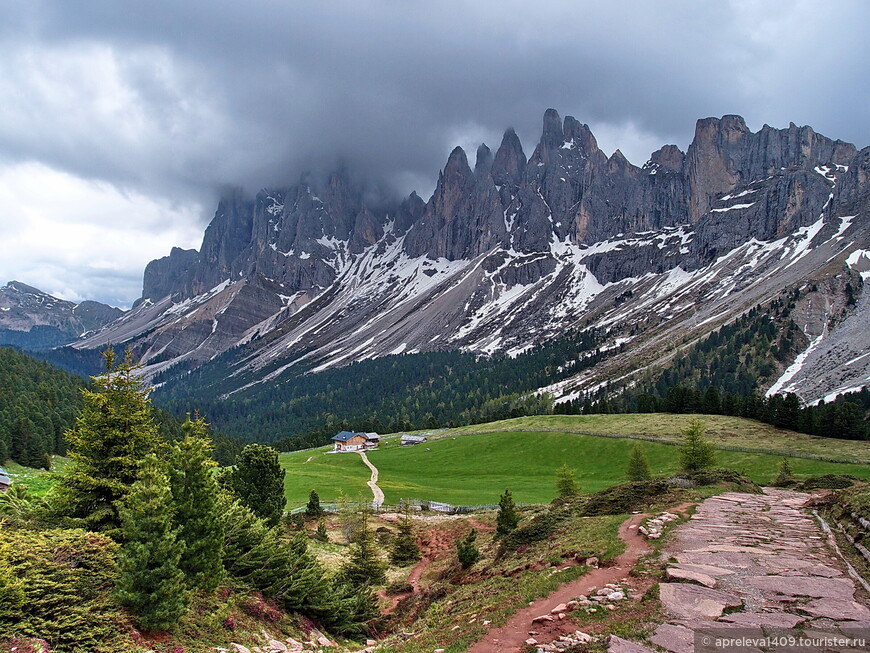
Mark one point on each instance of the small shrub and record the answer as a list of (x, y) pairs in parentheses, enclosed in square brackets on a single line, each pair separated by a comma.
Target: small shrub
[(467, 551), (719, 475), (67, 579), (828, 482), (258, 608), (321, 534), (625, 498), (539, 528), (507, 518), (313, 508), (638, 465), (398, 587), (785, 477), (566, 482)]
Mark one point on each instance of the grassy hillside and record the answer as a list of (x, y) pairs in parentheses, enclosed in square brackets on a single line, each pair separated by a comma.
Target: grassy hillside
[(473, 465)]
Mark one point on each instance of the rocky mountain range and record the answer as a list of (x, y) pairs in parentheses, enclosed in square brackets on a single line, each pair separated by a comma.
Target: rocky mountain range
[(518, 249), (32, 319)]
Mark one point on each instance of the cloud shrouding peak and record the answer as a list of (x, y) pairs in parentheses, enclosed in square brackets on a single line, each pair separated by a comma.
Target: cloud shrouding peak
[(167, 101)]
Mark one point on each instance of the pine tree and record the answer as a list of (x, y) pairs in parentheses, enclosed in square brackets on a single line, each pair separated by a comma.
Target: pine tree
[(566, 482), (785, 476), (638, 465), (364, 566), (195, 498), (467, 551), (150, 582), (696, 452), (258, 482), (113, 432), (321, 534), (405, 549), (313, 508), (507, 518)]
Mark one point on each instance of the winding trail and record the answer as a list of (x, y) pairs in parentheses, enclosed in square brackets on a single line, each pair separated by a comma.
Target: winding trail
[(373, 483), (512, 636)]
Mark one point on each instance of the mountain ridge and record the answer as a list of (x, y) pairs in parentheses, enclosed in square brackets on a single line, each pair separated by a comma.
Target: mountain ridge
[(33, 319), (511, 252)]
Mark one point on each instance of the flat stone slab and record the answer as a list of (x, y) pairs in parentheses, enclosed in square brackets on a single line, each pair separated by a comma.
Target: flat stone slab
[(677, 573), (677, 639), (732, 560), (618, 645), (731, 548), (692, 601), (837, 609), (815, 587), (775, 619), (710, 570)]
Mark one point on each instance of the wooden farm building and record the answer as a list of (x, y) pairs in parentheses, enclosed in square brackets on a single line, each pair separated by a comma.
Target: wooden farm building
[(408, 440), (355, 441), (5, 481)]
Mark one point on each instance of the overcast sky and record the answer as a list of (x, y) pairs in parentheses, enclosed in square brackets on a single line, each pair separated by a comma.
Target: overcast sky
[(119, 120)]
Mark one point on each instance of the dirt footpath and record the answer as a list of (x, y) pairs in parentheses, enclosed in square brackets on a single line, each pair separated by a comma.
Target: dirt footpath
[(513, 634)]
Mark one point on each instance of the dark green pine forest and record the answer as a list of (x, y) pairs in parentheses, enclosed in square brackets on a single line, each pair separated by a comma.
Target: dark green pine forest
[(38, 402)]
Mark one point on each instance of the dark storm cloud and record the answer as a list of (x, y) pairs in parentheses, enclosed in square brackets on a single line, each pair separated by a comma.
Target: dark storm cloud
[(176, 98)]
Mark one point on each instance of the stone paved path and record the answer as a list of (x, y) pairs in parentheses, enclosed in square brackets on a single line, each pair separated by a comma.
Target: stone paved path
[(756, 562), (373, 482)]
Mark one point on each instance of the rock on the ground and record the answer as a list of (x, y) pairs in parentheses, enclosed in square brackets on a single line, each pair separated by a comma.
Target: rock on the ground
[(618, 645), (839, 609), (691, 601), (815, 587), (677, 639), (775, 619), (678, 573)]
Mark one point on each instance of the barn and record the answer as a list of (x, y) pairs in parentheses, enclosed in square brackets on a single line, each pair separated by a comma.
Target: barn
[(355, 441)]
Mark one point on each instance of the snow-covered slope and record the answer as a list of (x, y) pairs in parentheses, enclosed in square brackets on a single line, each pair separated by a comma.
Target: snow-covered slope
[(517, 251)]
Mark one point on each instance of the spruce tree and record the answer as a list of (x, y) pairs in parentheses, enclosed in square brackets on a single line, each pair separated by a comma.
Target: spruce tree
[(696, 452), (321, 534), (638, 465), (313, 508), (258, 482), (195, 496), (364, 566), (405, 549), (785, 476), (113, 432), (507, 518), (467, 551), (566, 483), (150, 582)]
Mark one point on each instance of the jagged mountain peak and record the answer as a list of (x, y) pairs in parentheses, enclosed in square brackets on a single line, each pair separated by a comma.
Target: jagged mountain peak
[(514, 251)]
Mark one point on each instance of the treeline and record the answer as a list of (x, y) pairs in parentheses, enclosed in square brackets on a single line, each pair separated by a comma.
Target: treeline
[(37, 404), (723, 375), (389, 394)]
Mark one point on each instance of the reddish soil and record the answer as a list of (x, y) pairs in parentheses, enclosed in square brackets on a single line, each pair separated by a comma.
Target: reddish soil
[(512, 636), (433, 542)]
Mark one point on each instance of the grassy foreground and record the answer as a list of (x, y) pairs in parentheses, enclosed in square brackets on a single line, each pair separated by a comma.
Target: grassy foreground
[(523, 454)]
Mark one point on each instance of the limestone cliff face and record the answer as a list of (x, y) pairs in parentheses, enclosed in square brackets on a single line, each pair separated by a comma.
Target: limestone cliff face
[(568, 190), (511, 250)]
